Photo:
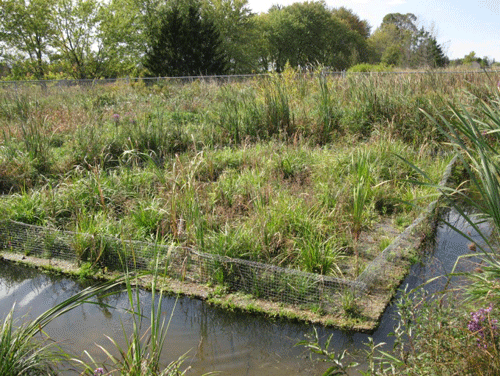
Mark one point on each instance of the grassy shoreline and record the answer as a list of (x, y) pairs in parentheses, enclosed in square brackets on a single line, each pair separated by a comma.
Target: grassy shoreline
[(295, 171)]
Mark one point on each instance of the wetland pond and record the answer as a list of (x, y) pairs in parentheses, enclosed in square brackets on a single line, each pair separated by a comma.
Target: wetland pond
[(232, 343)]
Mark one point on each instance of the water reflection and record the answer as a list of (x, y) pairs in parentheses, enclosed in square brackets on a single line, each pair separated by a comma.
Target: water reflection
[(215, 340)]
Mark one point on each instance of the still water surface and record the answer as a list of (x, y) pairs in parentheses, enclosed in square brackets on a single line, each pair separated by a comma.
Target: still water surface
[(214, 339)]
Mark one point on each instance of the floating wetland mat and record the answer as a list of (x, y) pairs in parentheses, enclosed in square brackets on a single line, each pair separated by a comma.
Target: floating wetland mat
[(247, 285)]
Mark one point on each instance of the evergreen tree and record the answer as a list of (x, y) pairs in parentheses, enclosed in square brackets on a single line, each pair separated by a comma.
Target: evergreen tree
[(185, 45), (438, 58)]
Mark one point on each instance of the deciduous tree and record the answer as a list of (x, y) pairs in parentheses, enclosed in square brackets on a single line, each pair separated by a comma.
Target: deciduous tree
[(353, 21), (309, 34), (238, 30), (27, 32), (399, 41), (78, 42)]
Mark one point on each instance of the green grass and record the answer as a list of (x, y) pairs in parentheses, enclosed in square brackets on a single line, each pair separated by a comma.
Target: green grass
[(24, 347), (285, 169), (454, 331)]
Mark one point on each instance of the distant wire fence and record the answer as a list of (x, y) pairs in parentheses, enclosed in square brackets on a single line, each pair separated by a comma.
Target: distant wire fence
[(218, 79), (261, 280)]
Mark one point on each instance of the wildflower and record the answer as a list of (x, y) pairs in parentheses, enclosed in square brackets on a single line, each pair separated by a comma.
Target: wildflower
[(476, 324), (116, 118), (98, 372)]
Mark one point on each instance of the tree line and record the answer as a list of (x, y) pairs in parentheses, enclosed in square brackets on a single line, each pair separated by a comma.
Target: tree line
[(81, 39)]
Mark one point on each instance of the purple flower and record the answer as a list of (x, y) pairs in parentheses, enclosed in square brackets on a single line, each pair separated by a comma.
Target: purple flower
[(116, 118), (476, 324), (98, 372)]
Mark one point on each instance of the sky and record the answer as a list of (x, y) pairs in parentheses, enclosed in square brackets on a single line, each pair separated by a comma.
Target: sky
[(460, 26)]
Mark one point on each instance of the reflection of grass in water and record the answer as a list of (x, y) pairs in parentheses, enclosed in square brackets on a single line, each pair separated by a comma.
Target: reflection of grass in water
[(24, 348), (141, 354)]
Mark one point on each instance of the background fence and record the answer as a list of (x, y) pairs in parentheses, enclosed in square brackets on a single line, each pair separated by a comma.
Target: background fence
[(219, 79)]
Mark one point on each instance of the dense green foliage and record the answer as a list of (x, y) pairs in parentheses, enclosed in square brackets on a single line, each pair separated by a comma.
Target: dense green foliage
[(185, 45), (92, 39), (455, 330), (400, 42)]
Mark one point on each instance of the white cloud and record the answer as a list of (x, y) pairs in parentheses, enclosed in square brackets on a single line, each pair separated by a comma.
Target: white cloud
[(492, 5)]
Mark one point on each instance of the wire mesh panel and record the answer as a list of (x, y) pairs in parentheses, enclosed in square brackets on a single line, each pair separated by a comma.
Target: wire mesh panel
[(261, 280)]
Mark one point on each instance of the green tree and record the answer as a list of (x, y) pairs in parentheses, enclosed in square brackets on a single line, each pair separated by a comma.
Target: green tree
[(126, 29), (185, 44), (398, 41), (470, 58), (427, 52), (27, 31), (353, 21), (262, 41), (238, 30), (309, 34), (78, 42), (122, 32), (392, 41)]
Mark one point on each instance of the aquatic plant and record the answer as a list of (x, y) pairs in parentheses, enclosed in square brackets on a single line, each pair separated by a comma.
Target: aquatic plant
[(339, 365), (25, 349), (142, 352)]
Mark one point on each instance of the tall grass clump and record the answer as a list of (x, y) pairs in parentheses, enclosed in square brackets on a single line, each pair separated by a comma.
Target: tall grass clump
[(328, 114), (320, 255), (24, 347), (15, 107), (361, 190), (455, 331), (279, 118), (142, 352), (241, 115)]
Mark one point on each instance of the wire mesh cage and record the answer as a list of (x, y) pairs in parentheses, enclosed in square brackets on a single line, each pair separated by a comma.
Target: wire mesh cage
[(258, 279)]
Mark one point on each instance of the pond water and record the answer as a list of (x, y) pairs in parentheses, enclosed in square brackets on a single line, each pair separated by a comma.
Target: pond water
[(214, 339)]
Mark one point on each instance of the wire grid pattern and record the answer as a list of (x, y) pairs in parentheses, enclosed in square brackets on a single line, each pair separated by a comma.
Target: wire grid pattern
[(219, 79), (398, 249), (382, 265), (261, 280)]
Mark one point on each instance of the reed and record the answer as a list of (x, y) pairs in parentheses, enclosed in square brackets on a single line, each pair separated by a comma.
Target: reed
[(25, 349), (142, 352)]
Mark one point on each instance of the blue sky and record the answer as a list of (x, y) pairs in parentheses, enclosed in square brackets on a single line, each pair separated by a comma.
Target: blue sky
[(461, 26)]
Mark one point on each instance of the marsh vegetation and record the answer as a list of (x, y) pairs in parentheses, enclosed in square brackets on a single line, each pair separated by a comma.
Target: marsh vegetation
[(291, 170)]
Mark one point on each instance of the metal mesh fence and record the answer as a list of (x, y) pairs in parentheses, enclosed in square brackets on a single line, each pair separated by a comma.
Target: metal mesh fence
[(261, 280), (220, 79), (400, 247), (185, 264)]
